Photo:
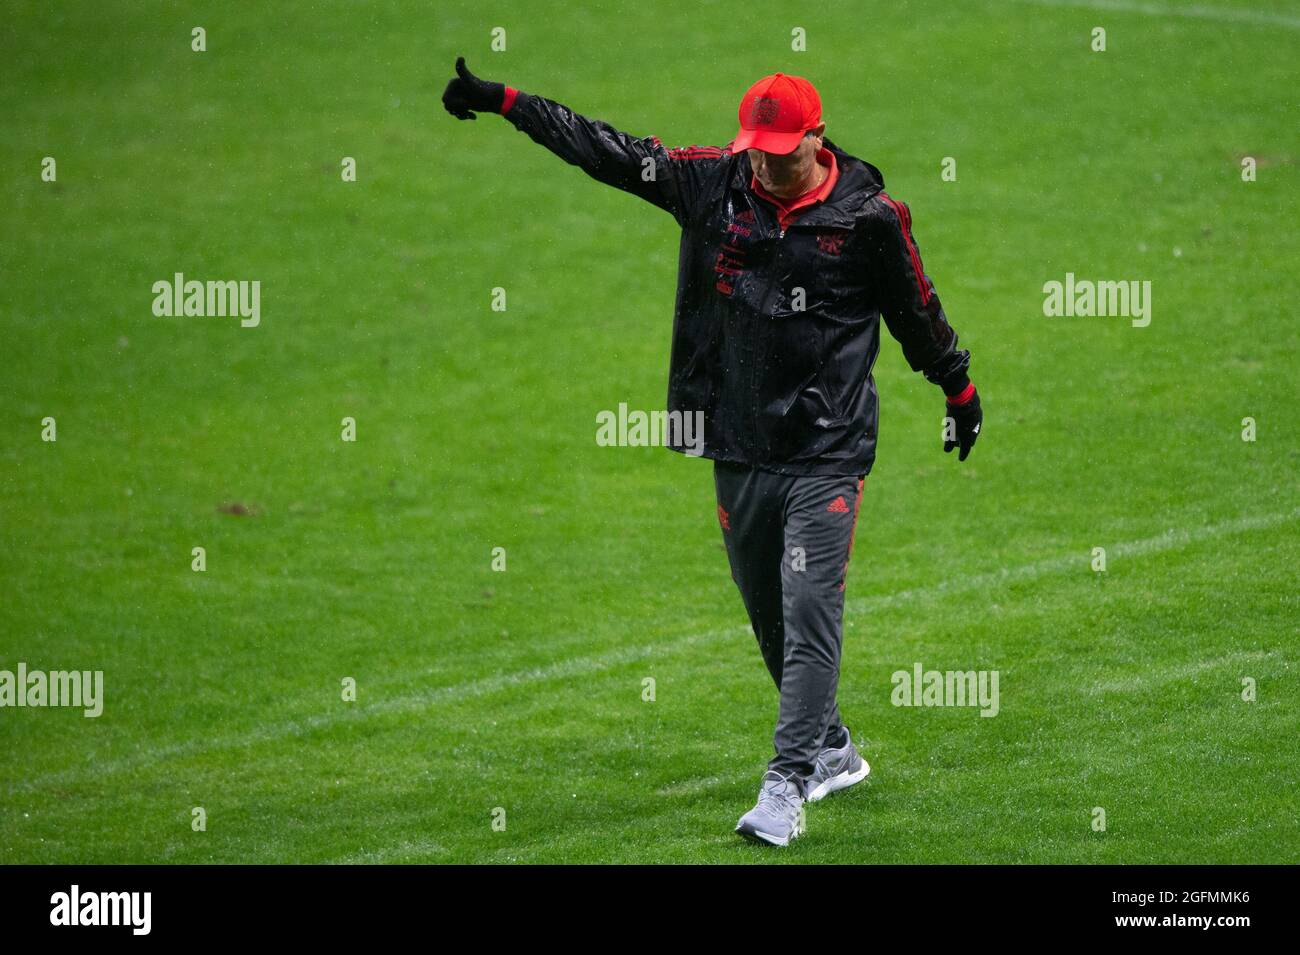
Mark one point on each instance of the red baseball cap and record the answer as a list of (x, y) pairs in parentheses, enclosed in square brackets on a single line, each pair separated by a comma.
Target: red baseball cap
[(775, 114)]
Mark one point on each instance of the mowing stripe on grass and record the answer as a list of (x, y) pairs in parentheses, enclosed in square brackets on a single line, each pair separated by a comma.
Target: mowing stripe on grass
[(594, 663), (1193, 11)]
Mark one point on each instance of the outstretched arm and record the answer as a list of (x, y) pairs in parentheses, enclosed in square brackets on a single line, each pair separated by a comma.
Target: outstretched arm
[(914, 316), (672, 179)]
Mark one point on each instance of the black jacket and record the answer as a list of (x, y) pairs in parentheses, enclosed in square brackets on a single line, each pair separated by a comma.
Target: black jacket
[(782, 388)]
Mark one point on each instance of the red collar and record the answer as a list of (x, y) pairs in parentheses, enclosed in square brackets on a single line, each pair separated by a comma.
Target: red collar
[(789, 209)]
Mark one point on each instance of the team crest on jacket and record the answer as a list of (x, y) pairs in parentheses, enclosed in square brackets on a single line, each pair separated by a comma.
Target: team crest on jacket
[(832, 243), (730, 263)]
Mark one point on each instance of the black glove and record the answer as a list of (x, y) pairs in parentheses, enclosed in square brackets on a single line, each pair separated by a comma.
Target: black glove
[(968, 418), (466, 92)]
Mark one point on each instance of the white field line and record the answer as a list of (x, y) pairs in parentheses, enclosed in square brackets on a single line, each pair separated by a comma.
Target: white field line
[(1190, 11), (1171, 539), (577, 666), (389, 853), (1148, 681), (595, 663)]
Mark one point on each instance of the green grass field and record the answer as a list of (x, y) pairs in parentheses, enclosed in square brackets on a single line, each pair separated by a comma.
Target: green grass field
[(476, 429)]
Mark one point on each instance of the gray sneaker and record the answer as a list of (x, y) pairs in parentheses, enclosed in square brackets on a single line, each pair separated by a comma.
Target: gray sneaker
[(778, 817), (837, 767)]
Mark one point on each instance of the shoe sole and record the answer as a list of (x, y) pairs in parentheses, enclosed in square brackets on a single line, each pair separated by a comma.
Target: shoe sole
[(842, 781), (767, 838)]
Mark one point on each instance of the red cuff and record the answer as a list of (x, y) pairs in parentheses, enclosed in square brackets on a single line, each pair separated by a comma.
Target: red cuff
[(509, 101), (966, 395)]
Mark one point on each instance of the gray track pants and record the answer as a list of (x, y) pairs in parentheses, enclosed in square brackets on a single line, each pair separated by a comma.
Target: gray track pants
[(788, 540)]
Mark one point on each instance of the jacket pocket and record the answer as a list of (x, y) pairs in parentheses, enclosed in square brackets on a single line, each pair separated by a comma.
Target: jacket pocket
[(833, 402)]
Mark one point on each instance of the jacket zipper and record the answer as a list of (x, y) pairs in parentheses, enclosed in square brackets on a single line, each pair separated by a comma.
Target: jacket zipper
[(753, 370)]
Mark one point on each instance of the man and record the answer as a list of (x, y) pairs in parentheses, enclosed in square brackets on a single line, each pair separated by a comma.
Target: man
[(791, 252)]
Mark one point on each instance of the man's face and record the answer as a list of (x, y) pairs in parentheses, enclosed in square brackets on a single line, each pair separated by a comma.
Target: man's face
[(786, 175)]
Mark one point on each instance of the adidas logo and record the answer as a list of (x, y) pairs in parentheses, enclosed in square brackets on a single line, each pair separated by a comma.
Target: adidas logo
[(724, 518), (838, 506)]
